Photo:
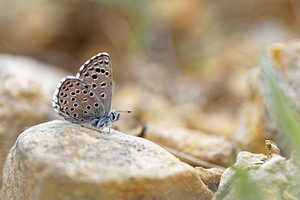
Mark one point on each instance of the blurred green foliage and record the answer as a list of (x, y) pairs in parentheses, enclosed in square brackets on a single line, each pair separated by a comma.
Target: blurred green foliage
[(288, 120), (247, 189)]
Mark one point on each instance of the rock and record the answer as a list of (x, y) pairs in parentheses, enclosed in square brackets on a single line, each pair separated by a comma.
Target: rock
[(26, 91), (210, 148), (277, 177), (210, 177), (250, 132), (256, 120), (147, 107), (153, 108), (61, 160), (206, 122)]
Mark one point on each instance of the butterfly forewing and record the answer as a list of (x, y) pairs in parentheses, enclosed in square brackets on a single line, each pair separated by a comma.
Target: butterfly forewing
[(97, 72), (76, 101)]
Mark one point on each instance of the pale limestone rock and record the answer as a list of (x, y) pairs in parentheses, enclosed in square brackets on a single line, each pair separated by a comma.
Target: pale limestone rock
[(26, 91), (61, 160), (250, 133), (256, 121), (277, 177), (210, 148), (210, 176)]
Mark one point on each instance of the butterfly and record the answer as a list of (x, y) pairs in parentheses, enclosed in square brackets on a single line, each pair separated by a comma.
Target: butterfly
[(86, 98)]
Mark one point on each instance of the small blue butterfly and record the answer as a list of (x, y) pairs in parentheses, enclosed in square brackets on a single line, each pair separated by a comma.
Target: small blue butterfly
[(86, 98)]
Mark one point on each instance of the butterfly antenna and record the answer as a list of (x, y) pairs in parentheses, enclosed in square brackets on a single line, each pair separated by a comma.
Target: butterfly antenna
[(124, 111)]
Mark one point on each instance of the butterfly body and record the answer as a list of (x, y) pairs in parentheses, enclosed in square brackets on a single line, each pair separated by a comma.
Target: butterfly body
[(105, 120), (85, 99)]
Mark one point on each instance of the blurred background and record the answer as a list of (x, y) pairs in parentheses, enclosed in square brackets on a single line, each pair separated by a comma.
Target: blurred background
[(187, 69), (183, 53)]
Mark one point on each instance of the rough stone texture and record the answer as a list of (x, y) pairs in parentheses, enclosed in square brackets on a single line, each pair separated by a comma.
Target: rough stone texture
[(61, 160), (255, 121), (277, 177), (26, 90), (210, 177), (210, 148), (250, 133)]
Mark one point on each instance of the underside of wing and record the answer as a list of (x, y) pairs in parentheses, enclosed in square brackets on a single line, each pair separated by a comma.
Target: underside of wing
[(76, 101), (97, 72)]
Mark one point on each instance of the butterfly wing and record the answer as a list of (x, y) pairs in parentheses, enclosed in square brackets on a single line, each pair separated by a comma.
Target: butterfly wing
[(97, 72), (76, 101)]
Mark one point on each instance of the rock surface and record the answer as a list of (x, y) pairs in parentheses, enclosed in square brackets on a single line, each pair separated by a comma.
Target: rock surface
[(152, 108), (250, 133), (277, 178), (26, 91), (256, 121), (210, 148), (61, 160)]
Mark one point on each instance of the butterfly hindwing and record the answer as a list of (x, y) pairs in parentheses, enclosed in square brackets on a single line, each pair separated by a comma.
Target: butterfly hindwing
[(76, 101)]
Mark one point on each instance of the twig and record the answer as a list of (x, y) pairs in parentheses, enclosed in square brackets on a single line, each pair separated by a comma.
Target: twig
[(191, 159)]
